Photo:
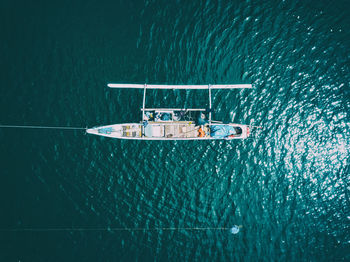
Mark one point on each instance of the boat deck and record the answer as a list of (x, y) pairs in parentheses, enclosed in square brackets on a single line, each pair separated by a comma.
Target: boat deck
[(180, 129)]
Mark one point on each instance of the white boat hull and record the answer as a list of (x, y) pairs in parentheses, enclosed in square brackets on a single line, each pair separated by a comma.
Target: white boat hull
[(182, 130)]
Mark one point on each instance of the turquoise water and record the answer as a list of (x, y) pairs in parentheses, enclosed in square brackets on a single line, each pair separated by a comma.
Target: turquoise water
[(65, 196)]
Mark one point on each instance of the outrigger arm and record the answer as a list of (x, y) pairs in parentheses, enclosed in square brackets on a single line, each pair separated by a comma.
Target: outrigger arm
[(209, 88), (144, 102), (140, 86)]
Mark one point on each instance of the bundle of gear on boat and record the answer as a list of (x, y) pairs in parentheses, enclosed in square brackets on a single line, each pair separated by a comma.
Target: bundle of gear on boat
[(168, 115), (217, 130)]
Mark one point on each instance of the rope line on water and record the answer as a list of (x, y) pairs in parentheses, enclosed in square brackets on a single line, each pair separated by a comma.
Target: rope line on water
[(114, 229), (45, 127)]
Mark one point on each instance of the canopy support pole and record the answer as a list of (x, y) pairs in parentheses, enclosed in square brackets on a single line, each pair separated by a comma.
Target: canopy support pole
[(144, 102), (209, 88)]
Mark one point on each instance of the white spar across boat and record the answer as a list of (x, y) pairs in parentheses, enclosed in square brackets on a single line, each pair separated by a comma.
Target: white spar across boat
[(179, 86), (174, 123)]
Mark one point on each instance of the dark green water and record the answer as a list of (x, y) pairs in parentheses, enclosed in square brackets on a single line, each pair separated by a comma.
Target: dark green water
[(288, 186)]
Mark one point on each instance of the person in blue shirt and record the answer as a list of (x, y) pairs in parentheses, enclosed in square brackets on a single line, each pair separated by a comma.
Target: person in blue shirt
[(201, 120)]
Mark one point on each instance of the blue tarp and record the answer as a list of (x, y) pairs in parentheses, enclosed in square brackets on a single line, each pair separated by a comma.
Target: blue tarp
[(222, 131)]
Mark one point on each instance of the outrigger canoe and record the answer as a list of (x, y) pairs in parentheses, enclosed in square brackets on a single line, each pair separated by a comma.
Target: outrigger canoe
[(175, 123)]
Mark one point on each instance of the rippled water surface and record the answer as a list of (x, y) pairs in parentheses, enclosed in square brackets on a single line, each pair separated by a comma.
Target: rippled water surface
[(66, 196)]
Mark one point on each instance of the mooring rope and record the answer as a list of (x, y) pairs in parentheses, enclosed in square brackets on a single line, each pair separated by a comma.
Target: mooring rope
[(45, 127), (113, 229)]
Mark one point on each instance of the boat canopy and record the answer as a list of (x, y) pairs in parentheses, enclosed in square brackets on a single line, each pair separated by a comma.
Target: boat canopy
[(153, 131)]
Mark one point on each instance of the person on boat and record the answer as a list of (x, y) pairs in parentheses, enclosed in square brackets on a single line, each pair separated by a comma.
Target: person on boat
[(165, 117), (201, 120), (180, 115), (157, 116), (201, 132), (149, 116)]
